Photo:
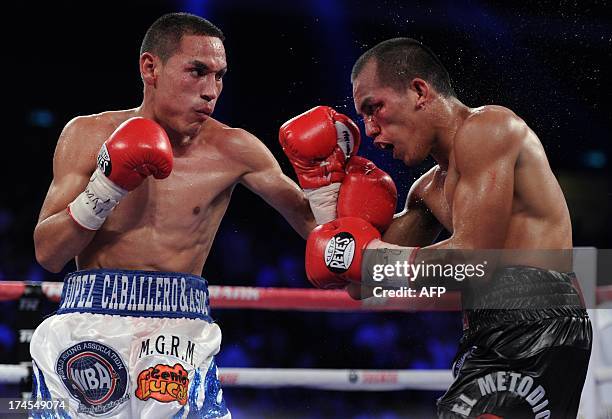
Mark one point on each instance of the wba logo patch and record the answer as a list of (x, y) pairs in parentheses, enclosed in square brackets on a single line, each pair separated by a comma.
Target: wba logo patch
[(95, 375)]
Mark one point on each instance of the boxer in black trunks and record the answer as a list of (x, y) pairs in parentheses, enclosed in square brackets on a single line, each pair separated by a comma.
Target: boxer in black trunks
[(492, 188), (525, 348)]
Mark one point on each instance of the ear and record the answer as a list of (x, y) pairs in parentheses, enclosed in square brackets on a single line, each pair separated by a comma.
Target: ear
[(149, 64), (422, 90)]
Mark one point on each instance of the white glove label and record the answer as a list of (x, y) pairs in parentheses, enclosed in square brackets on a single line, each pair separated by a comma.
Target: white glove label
[(339, 252), (345, 139), (104, 162)]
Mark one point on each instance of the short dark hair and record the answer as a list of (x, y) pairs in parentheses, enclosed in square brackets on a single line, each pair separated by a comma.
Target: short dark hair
[(164, 36), (399, 60)]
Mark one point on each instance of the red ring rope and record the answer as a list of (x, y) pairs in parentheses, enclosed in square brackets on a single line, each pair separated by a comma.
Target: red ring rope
[(302, 299)]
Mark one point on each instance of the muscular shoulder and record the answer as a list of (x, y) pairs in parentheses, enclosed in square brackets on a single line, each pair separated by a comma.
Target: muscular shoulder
[(240, 145), (83, 135), (489, 131), (94, 128), (425, 187), (237, 140)]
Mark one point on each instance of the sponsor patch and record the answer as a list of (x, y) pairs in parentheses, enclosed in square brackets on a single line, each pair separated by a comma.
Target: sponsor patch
[(163, 383), (95, 375), (167, 344)]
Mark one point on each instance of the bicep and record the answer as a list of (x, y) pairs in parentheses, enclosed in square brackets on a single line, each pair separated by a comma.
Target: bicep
[(265, 177), (482, 203), (270, 183), (262, 175), (61, 192), (416, 225)]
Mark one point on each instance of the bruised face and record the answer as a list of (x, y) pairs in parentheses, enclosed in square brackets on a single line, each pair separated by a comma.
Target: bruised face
[(189, 83), (395, 120)]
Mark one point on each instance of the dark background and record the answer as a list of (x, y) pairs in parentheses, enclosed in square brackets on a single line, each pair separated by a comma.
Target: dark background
[(550, 62)]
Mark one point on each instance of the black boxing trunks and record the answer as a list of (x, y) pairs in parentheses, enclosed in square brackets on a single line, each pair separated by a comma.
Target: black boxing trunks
[(525, 349)]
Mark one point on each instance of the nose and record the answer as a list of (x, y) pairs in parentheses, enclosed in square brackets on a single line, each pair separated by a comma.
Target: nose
[(371, 127), (210, 88)]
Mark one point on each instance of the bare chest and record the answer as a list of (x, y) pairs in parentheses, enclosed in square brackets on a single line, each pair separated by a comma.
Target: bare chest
[(198, 188)]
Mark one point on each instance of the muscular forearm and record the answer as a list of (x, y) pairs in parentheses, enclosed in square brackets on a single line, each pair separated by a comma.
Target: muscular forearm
[(289, 200), (411, 232), (427, 265), (58, 239), (301, 219), (412, 229), (439, 253)]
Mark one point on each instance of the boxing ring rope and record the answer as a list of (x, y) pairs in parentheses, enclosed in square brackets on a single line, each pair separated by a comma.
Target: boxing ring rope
[(13, 374), (321, 379), (300, 299)]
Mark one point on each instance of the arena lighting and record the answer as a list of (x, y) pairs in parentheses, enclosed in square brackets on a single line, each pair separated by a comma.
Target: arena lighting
[(41, 118), (594, 159), (331, 18), (196, 7)]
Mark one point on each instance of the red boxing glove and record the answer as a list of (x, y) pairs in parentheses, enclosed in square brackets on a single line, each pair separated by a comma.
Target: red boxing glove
[(318, 143), (367, 192), (334, 252), (138, 148)]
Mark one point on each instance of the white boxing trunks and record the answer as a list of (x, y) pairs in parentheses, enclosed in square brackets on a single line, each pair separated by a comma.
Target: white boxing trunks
[(129, 344)]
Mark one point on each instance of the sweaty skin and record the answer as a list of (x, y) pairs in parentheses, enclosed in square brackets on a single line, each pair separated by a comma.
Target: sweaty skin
[(492, 187), (168, 224)]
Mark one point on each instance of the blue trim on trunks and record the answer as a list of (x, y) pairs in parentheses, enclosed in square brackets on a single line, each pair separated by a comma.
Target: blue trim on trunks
[(136, 293)]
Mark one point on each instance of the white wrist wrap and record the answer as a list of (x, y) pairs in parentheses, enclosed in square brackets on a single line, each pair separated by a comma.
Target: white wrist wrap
[(323, 202), (93, 205)]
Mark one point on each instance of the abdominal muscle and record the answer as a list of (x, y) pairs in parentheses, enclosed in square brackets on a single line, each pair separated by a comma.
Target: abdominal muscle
[(150, 251), (164, 235)]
